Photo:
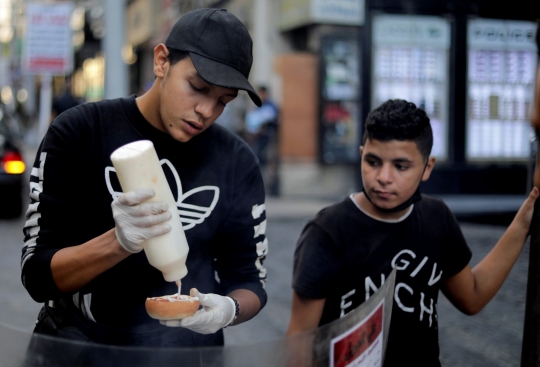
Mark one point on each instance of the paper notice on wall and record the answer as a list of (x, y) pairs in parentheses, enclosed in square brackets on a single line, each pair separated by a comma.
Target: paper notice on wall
[(47, 47), (362, 345)]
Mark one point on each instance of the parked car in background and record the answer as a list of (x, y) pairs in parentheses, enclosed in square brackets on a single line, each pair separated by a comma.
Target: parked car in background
[(12, 169)]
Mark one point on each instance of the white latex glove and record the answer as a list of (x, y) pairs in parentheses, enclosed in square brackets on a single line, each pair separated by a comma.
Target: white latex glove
[(217, 312), (137, 221)]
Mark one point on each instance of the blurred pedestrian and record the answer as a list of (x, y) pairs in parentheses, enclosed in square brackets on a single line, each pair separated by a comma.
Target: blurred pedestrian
[(234, 114), (65, 101), (262, 126)]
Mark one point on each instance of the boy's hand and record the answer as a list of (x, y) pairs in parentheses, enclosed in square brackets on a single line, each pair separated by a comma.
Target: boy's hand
[(525, 213), (470, 290)]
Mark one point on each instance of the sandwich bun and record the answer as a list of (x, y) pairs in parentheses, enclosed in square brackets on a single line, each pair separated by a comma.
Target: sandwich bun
[(171, 307)]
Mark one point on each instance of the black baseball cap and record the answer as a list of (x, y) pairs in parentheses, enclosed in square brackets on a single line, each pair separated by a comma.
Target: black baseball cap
[(219, 45)]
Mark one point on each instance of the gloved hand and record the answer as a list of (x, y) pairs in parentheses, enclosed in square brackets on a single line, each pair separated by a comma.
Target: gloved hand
[(137, 221), (217, 312)]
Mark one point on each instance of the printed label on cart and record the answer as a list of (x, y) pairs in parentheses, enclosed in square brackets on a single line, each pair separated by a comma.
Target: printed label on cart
[(362, 345)]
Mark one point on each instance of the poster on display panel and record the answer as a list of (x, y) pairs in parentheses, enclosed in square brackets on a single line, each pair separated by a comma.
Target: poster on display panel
[(501, 71), (411, 61)]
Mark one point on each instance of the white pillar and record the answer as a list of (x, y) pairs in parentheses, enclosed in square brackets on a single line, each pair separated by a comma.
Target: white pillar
[(116, 70), (262, 69), (30, 86), (45, 101)]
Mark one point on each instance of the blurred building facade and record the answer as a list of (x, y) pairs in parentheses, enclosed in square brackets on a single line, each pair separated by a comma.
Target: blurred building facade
[(470, 65), (327, 63), (476, 63)]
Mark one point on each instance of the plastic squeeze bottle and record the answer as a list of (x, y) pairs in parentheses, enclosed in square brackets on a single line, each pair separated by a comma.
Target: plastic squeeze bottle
[(137, 166)]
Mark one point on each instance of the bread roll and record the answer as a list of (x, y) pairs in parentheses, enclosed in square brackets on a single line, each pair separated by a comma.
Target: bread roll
[(171, 307)]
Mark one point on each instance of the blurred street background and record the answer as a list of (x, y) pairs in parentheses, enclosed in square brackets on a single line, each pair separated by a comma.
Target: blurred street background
[(491, 338), (324, 64)]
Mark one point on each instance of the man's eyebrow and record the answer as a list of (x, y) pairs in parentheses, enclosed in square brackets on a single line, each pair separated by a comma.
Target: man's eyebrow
[(402, 160), (397, 160), (372, 156)]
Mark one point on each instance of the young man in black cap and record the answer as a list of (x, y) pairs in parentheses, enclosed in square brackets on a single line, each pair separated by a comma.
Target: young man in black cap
[(88, 259)]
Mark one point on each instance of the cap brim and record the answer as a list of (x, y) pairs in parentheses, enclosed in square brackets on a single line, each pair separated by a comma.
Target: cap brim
[(223, 75)]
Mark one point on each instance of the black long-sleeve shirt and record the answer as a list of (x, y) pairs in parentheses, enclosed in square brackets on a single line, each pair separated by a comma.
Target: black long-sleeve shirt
[(214, 178)]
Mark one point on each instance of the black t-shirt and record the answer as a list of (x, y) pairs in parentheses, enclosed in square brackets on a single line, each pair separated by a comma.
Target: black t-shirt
[(215, 180), (344, 256)]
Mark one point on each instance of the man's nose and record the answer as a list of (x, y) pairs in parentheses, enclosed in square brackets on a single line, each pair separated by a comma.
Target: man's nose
[(205, 108), (384, 175)]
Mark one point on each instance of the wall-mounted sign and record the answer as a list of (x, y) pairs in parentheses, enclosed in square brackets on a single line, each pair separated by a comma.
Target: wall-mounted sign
[(405, 30), (47, 47), (298, 13), (501, 34)]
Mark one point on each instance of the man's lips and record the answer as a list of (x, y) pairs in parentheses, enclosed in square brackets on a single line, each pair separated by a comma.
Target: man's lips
[(383, 194), (192, 127)]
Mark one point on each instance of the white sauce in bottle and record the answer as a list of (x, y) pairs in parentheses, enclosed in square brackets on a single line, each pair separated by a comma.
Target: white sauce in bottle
[(137, 166)]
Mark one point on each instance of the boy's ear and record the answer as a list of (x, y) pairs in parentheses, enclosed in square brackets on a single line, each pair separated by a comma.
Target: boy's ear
[(161, 62), (361, 150), (429, 167)]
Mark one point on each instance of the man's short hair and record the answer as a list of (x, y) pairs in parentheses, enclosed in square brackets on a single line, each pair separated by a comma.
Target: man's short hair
[(397, 119), (175, 55)]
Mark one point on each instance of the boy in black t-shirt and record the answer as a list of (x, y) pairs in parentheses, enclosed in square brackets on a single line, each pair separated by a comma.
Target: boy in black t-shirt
[(346, 252)]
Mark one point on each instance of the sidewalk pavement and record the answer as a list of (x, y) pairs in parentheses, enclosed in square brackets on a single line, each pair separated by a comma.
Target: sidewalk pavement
[(465, 207)]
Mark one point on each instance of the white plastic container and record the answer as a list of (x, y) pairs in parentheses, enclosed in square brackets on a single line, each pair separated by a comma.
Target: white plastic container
[(137, 166)]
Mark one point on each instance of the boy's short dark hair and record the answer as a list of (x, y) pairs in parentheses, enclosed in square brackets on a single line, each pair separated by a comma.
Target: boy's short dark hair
[(176, 55), (397, 119)]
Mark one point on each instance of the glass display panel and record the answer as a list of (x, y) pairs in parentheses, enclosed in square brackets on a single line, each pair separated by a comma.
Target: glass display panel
[(410, 61), (501, 70), (340, 99)]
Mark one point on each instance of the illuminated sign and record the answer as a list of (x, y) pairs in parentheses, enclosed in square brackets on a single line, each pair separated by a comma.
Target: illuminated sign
[(497, 34), (298, 13)]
